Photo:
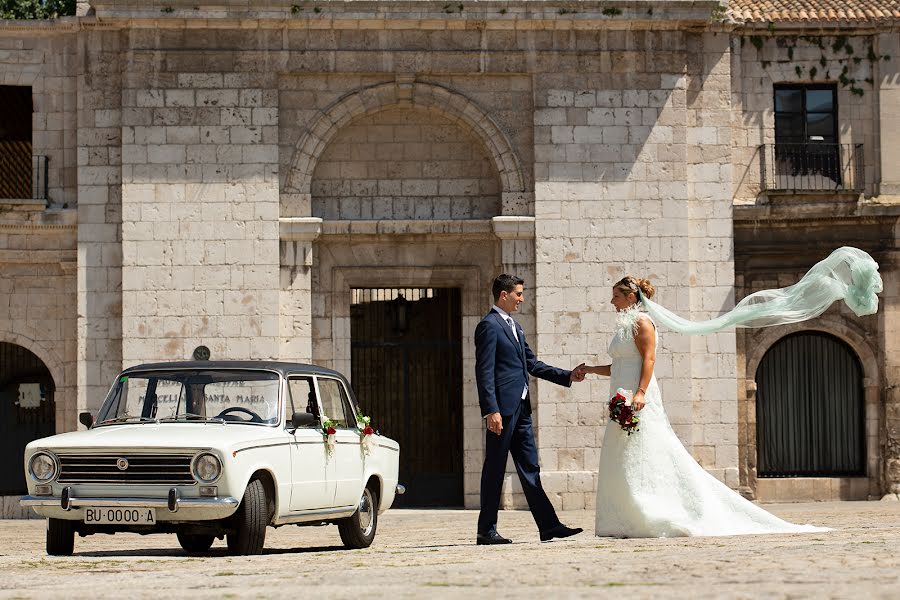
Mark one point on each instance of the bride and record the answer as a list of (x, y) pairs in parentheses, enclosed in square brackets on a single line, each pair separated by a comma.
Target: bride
[(649, 485)]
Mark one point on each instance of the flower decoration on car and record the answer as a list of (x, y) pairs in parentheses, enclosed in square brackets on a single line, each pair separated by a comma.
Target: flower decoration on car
[(366, 432), (329, 428)]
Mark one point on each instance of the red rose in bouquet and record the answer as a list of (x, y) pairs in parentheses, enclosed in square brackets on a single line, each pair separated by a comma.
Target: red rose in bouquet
[(368, 430), (622, 412), (330, 431)]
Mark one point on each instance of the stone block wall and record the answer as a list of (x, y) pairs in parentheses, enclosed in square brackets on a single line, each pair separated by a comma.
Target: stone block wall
[(621, 189), (200, 206), (405, 164)]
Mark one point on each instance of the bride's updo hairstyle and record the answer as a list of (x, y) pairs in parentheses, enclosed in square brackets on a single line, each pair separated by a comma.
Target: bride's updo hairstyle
[(631, 285)]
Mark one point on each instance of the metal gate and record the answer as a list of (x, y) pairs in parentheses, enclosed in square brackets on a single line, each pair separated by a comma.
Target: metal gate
[(407, 374), (810, 414), (27, 412)]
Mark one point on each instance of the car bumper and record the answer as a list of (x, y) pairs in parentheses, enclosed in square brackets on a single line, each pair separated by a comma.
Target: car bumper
[(181, 509)]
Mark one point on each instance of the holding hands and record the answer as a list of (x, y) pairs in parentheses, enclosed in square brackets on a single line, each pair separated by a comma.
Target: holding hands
[(578, 373)]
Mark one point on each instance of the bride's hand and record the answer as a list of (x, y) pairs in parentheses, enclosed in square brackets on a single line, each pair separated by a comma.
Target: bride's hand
[(638, 401)]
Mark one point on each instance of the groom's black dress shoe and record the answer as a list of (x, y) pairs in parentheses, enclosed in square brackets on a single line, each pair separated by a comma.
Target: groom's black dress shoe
[(560, 531), (489, 539)]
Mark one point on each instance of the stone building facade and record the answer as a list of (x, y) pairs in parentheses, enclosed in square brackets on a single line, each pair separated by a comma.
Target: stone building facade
[(226, 176)]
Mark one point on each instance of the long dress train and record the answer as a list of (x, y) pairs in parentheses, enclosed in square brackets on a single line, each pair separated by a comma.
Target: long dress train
[(650, 486)]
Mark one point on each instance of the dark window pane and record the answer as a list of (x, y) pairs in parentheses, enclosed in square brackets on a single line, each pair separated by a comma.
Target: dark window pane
[(789, 128), (789, 100), (819, 100), (821, 125)]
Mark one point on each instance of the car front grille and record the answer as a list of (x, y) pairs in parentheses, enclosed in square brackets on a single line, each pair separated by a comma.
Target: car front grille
[(164, 469)]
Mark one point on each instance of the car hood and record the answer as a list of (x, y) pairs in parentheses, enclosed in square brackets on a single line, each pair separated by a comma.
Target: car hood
[(162, 435)]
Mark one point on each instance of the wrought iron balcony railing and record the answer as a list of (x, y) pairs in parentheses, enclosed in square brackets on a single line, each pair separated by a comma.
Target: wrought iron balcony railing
[(812, 167), (23, 176)]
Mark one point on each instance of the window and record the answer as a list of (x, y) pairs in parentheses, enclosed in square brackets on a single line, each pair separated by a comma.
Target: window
[(335, 403), (303, 398), (807, 153), (15, 142)]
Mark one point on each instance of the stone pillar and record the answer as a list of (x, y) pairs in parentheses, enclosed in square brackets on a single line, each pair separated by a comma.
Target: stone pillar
[(890, 315), (99, 274), (888, 73), (710, 270), (516, 234), (296, 258)]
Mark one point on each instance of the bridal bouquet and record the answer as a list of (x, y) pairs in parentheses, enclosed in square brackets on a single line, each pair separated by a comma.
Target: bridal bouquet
[(621, 411)]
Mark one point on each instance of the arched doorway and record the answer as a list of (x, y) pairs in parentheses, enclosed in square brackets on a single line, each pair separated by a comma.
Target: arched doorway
[(27, 411), (810, 419)]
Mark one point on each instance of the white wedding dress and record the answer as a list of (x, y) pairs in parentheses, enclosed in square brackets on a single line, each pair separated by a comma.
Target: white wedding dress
[(650, 486)]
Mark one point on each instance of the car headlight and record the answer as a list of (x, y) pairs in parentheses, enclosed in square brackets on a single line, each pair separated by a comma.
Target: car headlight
[(43, 467), (207, 467)]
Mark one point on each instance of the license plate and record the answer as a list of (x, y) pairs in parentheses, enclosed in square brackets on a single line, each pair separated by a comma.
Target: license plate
[(120, 516)]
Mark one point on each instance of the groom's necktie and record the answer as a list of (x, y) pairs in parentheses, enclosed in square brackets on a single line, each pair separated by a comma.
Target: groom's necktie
[(511, 324)]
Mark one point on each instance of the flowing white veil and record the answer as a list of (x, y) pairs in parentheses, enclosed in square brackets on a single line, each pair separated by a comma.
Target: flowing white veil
[(847, 274)]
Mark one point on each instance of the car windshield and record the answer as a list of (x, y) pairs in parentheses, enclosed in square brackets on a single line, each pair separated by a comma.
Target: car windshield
[(226, 396)]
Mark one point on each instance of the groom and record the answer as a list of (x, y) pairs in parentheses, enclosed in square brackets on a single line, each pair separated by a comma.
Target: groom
[(503, 362)]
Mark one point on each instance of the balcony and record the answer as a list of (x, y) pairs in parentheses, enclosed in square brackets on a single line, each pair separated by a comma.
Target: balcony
[(812, 167), (23, 176)]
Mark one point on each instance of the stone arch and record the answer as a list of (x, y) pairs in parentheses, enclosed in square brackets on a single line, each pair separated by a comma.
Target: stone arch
[(761, 341), (370, 100), (50, 359), (846, 332)]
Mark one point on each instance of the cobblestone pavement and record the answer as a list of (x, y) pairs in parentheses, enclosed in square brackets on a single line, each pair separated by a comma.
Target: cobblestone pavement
[(430, 553)]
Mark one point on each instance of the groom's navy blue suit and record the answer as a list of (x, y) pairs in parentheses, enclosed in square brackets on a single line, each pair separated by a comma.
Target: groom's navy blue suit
[(502, 366)]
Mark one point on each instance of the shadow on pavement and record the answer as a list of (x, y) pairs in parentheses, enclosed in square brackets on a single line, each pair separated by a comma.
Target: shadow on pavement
[(214, 553)]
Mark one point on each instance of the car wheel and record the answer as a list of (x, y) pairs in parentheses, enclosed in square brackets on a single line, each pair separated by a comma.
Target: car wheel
[(358, 530), (60, 537), (251, 519), (195, 542)]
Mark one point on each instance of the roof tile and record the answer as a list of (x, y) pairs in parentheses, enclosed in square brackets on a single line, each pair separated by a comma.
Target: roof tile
[(801, 11)]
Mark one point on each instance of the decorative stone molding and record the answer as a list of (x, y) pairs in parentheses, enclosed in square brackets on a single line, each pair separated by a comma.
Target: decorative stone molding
[(403, 92), (513, 228), (297, 235), (300, 229)]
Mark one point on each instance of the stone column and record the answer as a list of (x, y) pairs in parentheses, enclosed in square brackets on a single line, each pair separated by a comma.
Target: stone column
[(888, 82), (890, 315), (296, 258), (516, 234), (713, 390), (99, 274)]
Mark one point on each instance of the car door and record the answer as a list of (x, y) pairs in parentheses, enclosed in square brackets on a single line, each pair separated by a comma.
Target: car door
[(346, 461), (310, 488)]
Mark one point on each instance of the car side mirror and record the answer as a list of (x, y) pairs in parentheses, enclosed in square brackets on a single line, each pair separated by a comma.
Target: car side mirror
[(302, 419), (86, 419)]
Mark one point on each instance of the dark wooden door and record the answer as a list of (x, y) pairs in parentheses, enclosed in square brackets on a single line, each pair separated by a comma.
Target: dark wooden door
[(810, 414), (27, 412), (407, 374)]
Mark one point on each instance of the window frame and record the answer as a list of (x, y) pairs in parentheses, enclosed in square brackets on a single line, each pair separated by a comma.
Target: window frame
[(353, 423), (835, 111)]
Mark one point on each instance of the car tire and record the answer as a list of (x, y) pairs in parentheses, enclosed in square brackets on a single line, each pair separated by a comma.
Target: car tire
[(60, 537), (250, 523), (358, 530), (195, 542)]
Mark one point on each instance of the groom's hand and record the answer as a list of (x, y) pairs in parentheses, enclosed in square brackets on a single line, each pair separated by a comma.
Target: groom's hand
[(494, 423), (578, 373)]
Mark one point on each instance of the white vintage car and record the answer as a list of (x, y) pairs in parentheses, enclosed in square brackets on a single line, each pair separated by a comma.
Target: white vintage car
[(208, 450)]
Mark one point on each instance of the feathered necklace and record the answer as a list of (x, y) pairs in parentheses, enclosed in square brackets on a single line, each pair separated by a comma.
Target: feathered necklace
[(627, 321)]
